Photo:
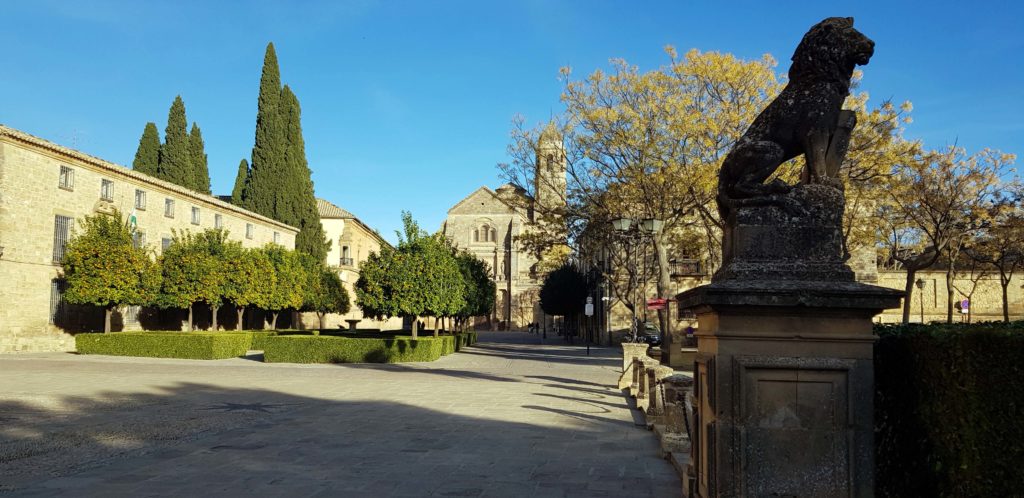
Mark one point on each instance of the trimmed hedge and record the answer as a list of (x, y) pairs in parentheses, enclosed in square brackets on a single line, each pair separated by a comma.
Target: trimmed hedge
[(187, 345), (949, 410), (334, 349)]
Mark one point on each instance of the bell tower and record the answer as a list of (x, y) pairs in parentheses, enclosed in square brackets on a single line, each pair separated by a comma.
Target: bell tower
[(549, 177)]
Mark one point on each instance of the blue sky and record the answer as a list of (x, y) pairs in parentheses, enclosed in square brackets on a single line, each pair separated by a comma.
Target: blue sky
[(408, 104)]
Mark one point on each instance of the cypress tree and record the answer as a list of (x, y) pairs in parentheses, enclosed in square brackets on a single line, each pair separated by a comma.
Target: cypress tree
[(241, 180), (296, 202), (148, 154), (175, 163), (268, 150), (200, 170)]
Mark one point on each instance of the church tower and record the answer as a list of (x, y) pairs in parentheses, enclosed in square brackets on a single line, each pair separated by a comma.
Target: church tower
[(549, 177)]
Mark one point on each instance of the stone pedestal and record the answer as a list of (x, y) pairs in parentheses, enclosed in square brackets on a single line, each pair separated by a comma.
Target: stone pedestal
[(673, 353), (784, 385)]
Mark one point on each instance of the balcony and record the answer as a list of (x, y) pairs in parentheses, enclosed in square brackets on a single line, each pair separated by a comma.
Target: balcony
[(347, 263)]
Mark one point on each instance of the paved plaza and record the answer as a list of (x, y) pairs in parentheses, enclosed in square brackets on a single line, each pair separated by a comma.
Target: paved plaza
[(507, 417)]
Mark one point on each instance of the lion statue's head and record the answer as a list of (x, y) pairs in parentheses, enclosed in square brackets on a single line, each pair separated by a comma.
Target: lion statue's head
[(830, 51)]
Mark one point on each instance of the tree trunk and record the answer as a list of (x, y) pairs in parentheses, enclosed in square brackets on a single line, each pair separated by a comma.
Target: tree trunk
[(240, 310), (663, 285), (321, 316), (106, 318), (437, 321), (1004, 283), (908, 289), (949, 293), (415, 327), (190, 318), (273, 320), (214, 308)]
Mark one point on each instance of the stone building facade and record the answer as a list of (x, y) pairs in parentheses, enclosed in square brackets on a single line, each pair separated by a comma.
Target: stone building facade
[(488, 223), (352, 241), (45, 190)]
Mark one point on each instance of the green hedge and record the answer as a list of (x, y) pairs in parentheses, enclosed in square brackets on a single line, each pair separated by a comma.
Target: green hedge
[(333, 349), (949, 410), (188, 345)]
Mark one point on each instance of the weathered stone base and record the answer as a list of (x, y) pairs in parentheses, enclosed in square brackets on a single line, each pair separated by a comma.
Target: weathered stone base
[(784, 387), (46, 339)]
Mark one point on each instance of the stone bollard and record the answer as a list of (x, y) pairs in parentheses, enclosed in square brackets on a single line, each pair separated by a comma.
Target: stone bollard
[(630, 351), (656, 403)]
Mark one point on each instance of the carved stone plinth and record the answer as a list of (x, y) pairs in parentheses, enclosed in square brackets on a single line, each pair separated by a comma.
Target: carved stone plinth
[(784, 384)]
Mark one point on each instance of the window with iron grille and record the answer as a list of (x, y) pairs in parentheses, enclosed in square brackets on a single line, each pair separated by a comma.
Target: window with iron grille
[(218, 221), (277, 238), (139, 239), (61, 235), (248, 230), (165, 243), (140, 200), (131, 314), (58, 307), (169, 208), (107, 190), (67, 178), (195, 215)]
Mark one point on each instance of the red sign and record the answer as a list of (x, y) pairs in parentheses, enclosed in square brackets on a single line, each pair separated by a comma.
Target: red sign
[(657, 303)]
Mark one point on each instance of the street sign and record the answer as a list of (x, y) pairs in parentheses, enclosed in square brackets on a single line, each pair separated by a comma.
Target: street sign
[(657, 303)]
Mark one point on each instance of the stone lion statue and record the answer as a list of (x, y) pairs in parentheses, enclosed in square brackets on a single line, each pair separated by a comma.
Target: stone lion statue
[(806, 118)]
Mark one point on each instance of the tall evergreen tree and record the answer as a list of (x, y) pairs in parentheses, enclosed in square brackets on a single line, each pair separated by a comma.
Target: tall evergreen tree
[(296, 202), (241, 180), (268, 150), (200, 170), (147, 157), (175, 163)]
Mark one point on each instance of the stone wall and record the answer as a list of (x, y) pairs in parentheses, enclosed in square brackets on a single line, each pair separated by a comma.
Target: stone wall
[(986, 302), (30, 200)]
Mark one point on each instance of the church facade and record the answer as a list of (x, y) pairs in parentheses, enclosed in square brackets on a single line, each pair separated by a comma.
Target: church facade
[(488, 224)]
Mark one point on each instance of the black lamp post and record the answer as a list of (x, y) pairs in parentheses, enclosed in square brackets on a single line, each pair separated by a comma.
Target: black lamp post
[(631, 237)]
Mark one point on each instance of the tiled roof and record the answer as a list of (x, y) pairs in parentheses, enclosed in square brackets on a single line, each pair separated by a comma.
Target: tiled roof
[(329, 210)]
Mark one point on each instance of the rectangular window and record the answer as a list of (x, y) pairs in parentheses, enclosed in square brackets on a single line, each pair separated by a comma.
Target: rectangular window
[(67, 178), (139, 239), (107, 190), (169, 208), (277, 238), (131, 314), (248, 230), (195, 215), (218, 221), (58, 307), (61, 235), (140, 200), (165, 243)]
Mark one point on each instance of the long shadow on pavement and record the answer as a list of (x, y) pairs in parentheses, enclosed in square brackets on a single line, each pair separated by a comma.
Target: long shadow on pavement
[(200, 439)]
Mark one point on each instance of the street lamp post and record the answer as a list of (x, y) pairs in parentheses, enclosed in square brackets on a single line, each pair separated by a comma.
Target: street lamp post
[(624, 228), (920, 287)]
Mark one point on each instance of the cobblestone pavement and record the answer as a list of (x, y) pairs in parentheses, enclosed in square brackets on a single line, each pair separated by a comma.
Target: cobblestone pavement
[(508, 417)]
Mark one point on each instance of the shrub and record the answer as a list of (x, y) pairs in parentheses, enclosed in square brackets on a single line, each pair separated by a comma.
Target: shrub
[(188, 345), (948, 403), (335, 349)]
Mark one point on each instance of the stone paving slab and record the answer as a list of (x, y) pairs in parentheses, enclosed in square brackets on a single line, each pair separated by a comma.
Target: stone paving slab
[(507, 417)]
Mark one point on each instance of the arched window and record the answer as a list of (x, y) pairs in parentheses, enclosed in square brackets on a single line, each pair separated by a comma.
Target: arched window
[(476, 235), (494, 235), (487, 233)]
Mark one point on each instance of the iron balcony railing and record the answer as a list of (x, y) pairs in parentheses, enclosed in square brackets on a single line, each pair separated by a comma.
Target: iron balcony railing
[(347, 262)]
